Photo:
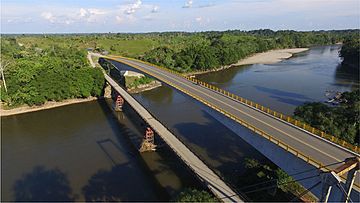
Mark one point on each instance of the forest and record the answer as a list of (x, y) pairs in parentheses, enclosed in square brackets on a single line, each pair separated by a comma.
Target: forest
[(34, 75), (341, 121)]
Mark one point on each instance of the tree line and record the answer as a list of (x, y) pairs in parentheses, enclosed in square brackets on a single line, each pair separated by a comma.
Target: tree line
[(214, 49)]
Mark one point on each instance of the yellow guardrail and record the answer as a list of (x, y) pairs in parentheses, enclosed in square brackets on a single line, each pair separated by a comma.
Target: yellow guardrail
[(262, 108), (267, 136)]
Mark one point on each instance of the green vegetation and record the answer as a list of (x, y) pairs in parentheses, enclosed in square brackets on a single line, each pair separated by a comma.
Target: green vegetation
[(214, 49), (34, 75), (262, 182), (193, 195), (138, 81), (351, 51), (341, 121)]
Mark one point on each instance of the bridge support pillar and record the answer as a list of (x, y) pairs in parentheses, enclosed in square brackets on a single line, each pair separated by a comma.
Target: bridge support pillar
[(349, 184), (328, 180), (119, 103), (107, 91), (148, 143)]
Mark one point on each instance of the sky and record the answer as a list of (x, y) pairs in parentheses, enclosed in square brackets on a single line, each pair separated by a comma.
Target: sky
[(89, 16)]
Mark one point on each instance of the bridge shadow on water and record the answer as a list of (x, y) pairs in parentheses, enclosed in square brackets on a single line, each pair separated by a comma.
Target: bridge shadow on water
[(292, 102), (129, 178), (218, 147), (226, 153), (142, 171), (281, 93), (43, 185)]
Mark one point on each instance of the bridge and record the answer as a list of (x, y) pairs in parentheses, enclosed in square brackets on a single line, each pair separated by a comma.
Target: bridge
[(216, 185), (313, 147)]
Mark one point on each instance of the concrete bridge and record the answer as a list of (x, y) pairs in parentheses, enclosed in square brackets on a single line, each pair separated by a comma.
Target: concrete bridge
[(220, 189), (292, 145)]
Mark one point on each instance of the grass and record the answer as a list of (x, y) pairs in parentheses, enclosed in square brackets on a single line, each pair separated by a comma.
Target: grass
[(135, 81), (132, 48)]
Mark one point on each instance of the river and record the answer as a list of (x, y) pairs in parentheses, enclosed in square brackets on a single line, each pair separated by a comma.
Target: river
[(284, 86), (85, 152)]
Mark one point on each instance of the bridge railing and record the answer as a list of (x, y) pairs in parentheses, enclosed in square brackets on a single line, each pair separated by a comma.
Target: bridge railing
[(263, 109)]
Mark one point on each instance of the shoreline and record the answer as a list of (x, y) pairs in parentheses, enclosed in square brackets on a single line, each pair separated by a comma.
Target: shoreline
[(269, 57), (46, 105)]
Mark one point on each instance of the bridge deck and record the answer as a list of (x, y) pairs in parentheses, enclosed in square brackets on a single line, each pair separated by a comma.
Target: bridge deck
[(213, 181), (320, 150)]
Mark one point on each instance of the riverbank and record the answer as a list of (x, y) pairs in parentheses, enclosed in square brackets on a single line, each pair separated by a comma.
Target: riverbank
[(47, 105), (269, 57)]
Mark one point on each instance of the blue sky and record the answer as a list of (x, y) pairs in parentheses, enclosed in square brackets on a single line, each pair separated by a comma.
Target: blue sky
[(84, 16)]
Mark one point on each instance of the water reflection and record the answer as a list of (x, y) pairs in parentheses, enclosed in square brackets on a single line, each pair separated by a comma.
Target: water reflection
[(224, 76), (43, 185), (120, 183), (160, 95), (347, 76)]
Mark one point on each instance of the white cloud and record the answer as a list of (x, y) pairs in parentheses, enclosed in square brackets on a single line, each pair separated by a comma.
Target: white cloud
[(207, 5), (133, 7), (155, 9), (90, 14), (188, 4), (83, 12), (94, 11), (48, 16), (20, 20), (119, 19), (198, 19)]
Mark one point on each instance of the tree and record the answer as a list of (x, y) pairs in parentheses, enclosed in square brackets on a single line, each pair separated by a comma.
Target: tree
[(194, 195), (3, 65)]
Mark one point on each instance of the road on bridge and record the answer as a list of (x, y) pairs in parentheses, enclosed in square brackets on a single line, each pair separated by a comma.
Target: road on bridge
[(318, 149)]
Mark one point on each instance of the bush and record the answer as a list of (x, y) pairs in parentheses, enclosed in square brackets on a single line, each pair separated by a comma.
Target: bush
[(193, 195)]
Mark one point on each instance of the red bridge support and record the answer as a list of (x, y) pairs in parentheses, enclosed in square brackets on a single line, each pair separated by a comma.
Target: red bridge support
[(119, 103), (148, 143)]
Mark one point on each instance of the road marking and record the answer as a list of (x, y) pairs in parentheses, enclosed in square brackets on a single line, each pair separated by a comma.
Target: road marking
[(275, 128)]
